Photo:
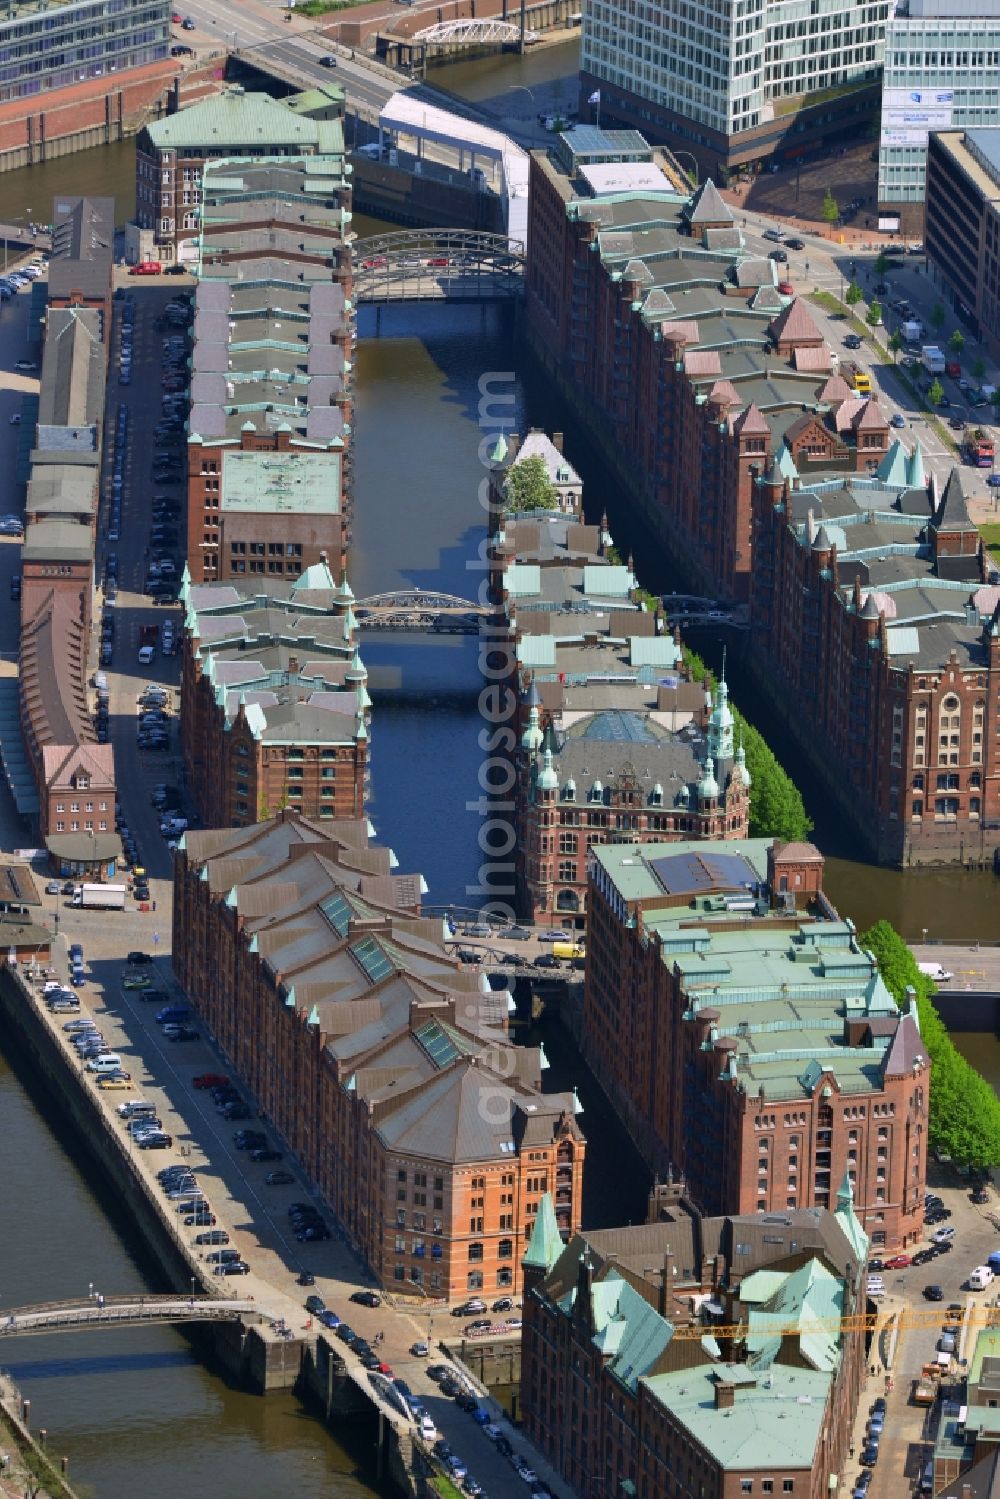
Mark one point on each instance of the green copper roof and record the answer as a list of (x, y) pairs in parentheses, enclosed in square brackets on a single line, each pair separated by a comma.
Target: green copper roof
[(811, 1299), (235, 119), (848, 1219), (499, 453), (546, 1241), (777, 1421), (987, 1346)]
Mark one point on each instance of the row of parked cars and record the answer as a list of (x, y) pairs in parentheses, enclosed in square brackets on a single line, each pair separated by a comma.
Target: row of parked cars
[(118, 464), (11, 283), (453, 1384), (168, 455)]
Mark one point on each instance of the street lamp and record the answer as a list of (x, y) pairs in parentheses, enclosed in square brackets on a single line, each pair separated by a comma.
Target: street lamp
[(674, 151)]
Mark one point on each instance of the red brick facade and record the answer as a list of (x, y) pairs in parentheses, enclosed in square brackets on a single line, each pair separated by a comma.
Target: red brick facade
[(242, 543), (912, 745), (609, 1429), (112, 105), (431, 1217), (675, 1069)]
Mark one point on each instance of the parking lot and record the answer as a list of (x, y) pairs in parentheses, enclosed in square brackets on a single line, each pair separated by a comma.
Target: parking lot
[(907, 1439)]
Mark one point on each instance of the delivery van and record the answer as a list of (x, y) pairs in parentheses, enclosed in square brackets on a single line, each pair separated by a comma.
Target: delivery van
[(981, 1278), (936, 972), (110, 1061), (568, 950)]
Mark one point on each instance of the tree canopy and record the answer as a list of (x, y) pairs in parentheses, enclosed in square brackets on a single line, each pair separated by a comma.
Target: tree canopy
[(875, 314), (528, 486), (776, 806), (935, 393), (830, 209), (853, 294), (964, 1110)]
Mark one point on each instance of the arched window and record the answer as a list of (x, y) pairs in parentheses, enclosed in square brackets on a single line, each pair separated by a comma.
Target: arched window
[(475, 1252), (567, 900)]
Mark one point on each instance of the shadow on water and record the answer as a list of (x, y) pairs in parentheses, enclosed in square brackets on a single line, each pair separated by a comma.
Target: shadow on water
[(75, 1368)]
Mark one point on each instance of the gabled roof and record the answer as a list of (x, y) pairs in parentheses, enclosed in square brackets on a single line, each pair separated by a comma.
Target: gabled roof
[(871, 418), (702, 362), (724, 393), (952, 513), (681, 331), (234, 119), (751, 421), (906, 1050), (836, 389), (708, 206), (811, 360), (61, 762), (546, 1243), (795, 326)]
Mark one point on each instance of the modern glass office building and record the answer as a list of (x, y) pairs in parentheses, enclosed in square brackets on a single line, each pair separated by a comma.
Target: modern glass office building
[(46, 47), (942, 70), (730, 76)]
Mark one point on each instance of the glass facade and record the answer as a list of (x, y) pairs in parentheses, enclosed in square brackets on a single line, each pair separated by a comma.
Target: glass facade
[(45, 47), (722, 62), (928, 54)]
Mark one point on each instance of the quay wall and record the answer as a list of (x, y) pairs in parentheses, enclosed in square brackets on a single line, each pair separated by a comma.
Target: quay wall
[(258, 1361)]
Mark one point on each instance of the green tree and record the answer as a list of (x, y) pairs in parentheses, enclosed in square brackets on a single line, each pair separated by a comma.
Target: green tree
[(978, 367), (881, 264), (528, 486), (964, 1110), (957, 341), (895, 343), (854, 294), (776, 806), (874, 314), (830, 209), (936, 393), (937, 316)]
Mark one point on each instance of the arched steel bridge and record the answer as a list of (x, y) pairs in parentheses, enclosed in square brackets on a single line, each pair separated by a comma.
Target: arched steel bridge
[(418, 609), (122, 1311), (472, 33), (430, 265)]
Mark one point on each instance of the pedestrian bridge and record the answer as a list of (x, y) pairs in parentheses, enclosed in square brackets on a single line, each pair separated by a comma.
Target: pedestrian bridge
[(473, 33), (693, 609), (432, 265), (418, 609), (91, 1313)]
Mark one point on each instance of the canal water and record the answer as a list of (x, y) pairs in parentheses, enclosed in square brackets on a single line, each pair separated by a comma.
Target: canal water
[(141, 1403), (136, 1410)]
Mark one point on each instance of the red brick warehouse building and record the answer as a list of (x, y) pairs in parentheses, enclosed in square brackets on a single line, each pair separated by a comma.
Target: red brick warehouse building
[(746, 1040), (630, 1386), (700, 372), (876, 620), (268, 466), (274, 707), (383, 1062)]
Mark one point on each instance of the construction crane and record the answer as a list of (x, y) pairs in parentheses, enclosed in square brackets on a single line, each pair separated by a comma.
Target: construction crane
[(908, 1319)]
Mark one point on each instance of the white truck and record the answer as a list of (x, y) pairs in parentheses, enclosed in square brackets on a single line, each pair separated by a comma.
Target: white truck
[(936, 972), (99, 897), (933, 360), (913, 330)]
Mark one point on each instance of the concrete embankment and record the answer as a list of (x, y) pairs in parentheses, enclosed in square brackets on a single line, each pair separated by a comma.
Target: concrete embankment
[(251, 1353), (25, 1466)]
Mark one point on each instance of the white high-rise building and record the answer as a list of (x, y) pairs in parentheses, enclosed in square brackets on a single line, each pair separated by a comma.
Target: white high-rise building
[(942, 71), (734, 80)]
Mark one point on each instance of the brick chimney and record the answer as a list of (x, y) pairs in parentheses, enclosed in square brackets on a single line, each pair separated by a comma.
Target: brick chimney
[(725, 1396)]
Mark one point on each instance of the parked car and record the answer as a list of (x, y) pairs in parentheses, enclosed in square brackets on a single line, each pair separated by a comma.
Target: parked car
[(367, 1298)]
